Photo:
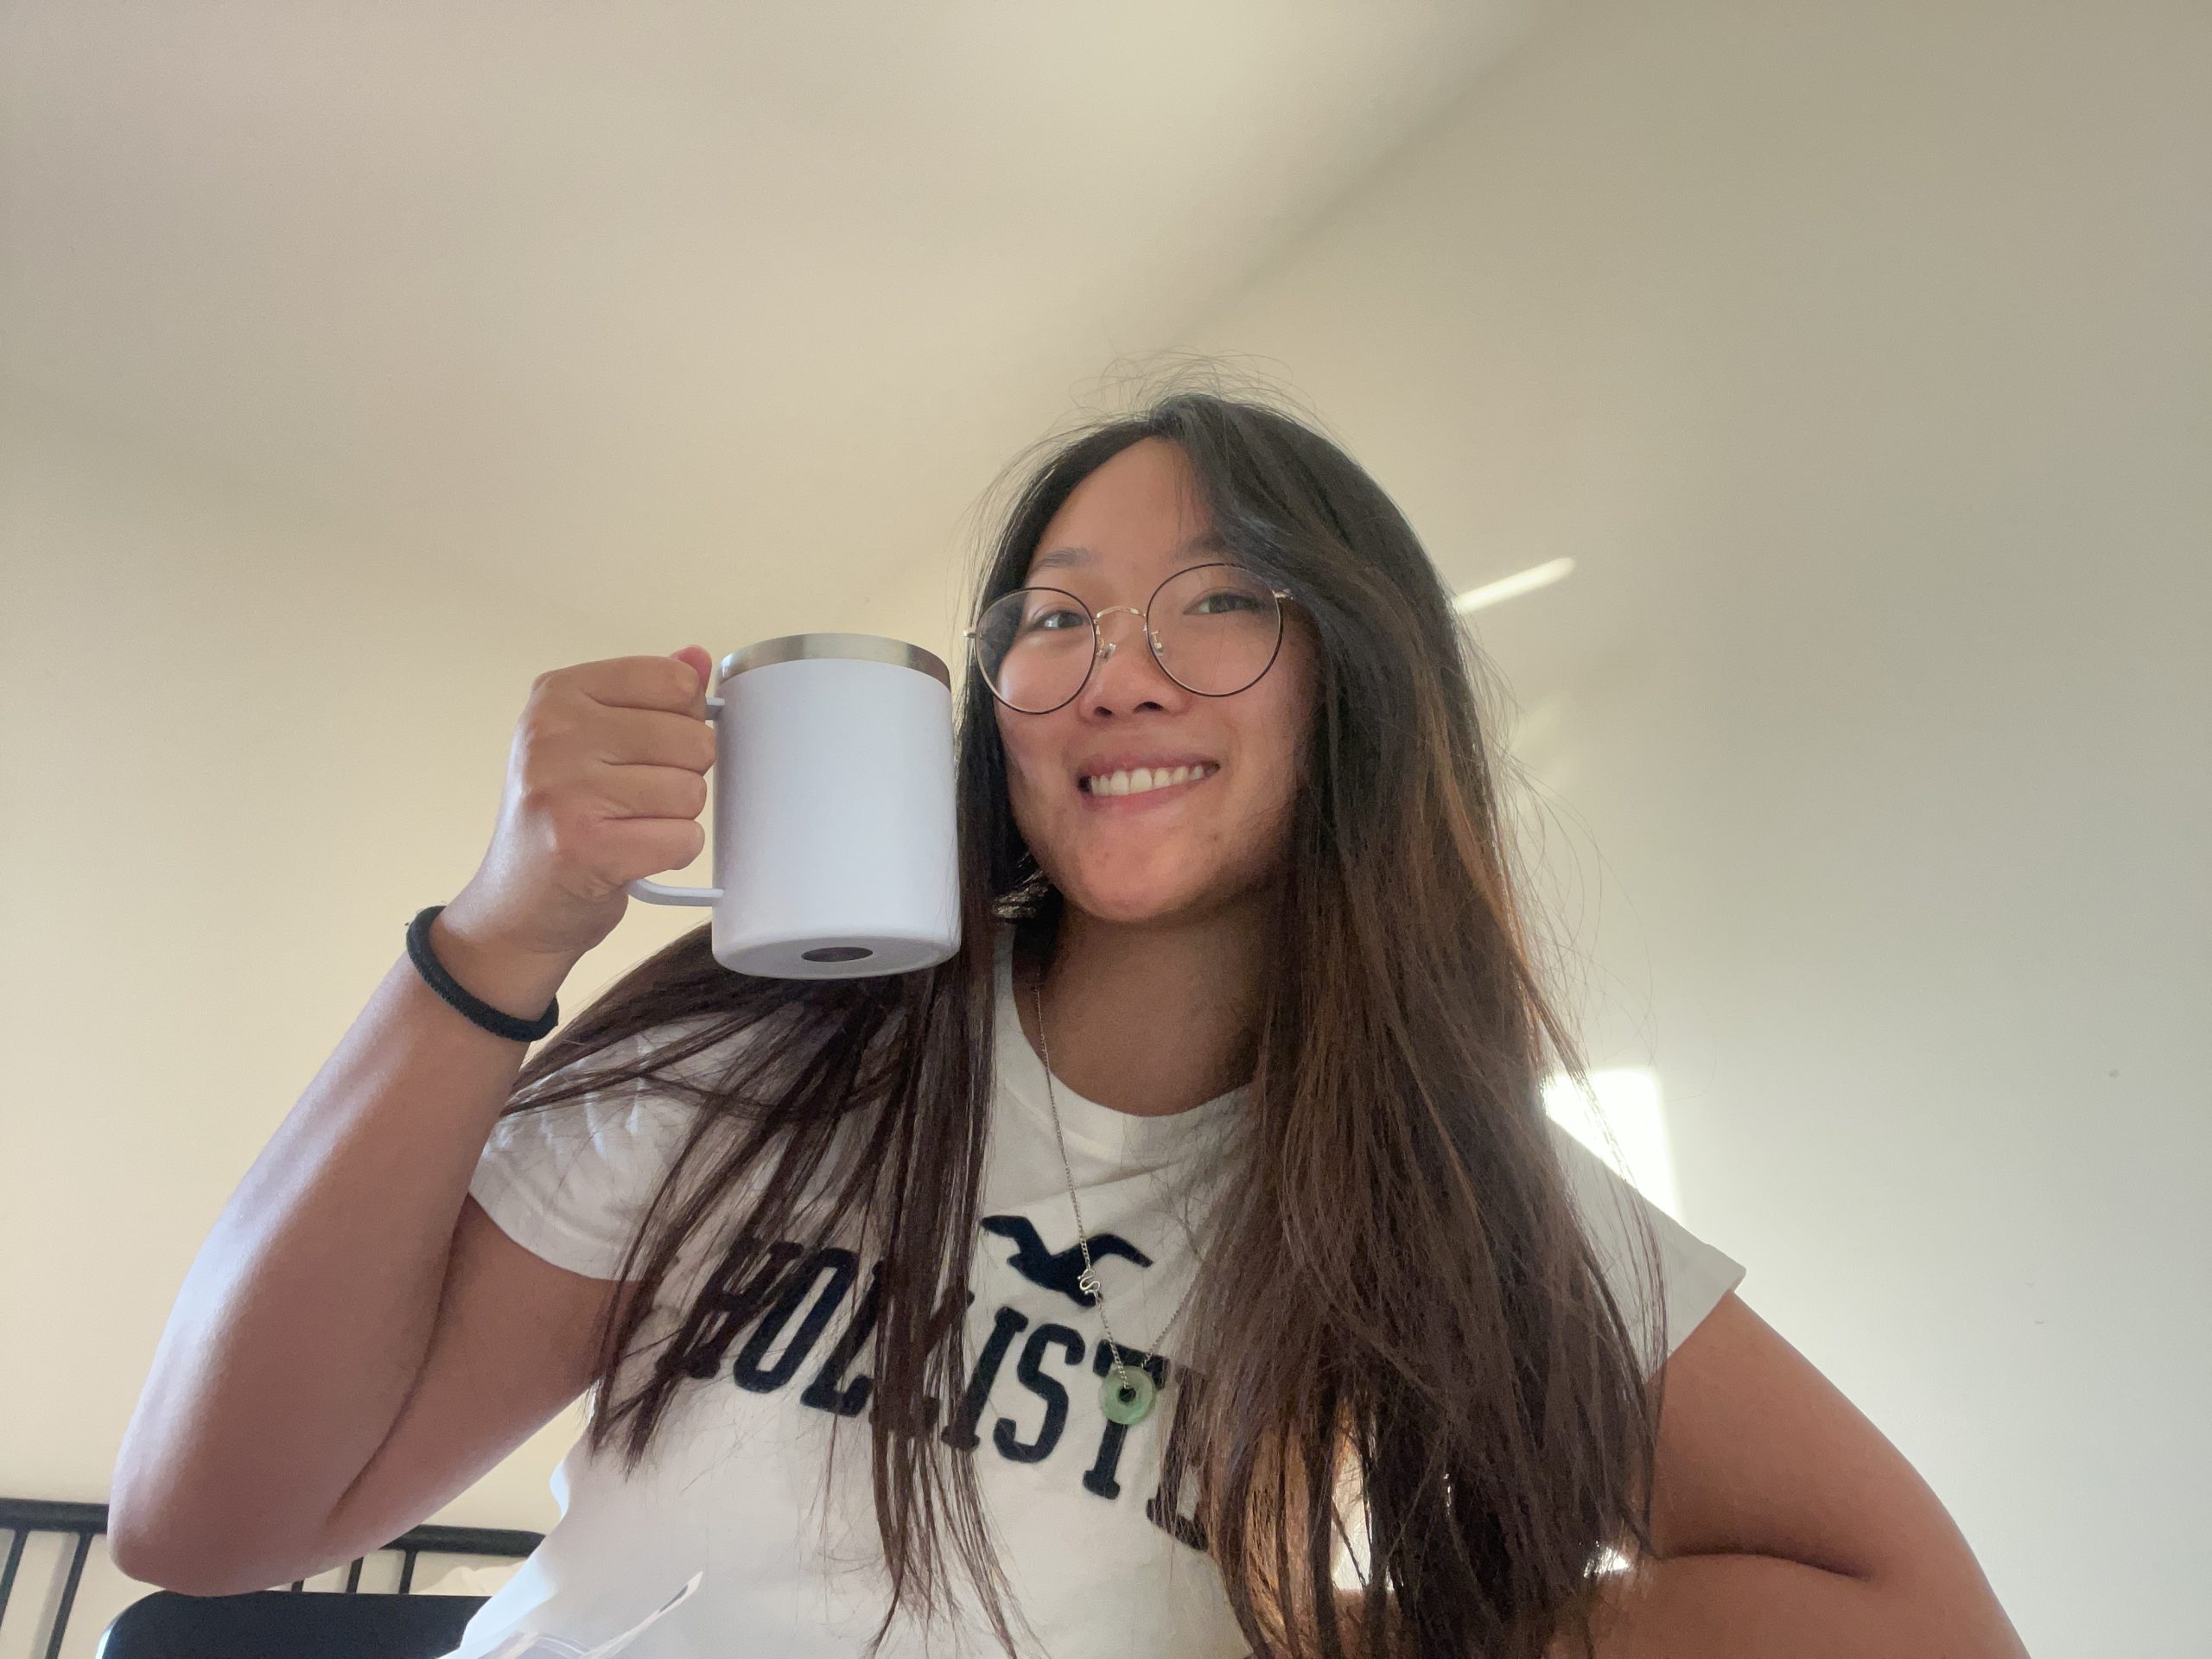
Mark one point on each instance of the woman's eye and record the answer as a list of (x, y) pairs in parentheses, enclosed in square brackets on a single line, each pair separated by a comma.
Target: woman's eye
[(1222, 599), (1054, 622)]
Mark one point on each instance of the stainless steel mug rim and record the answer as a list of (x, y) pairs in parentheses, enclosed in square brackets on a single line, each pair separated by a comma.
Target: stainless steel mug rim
[(842, 647)]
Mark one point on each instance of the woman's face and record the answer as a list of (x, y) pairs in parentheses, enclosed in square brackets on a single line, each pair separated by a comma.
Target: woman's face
[(1191, 846)]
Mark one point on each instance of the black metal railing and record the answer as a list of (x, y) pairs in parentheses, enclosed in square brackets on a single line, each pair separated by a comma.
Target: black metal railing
[(20, 1517)]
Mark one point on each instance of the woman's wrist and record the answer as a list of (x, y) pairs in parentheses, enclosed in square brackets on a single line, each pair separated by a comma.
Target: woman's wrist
[(515, 981)]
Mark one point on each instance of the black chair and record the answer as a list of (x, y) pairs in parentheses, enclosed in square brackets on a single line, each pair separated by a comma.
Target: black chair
[(342, 1625), (278, 1624)]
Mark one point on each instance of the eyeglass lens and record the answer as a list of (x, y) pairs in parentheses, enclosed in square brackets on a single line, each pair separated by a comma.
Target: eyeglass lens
[(1215, 629)]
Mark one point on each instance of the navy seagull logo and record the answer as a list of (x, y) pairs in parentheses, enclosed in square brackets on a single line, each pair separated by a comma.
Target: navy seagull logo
[(1059, 1270)]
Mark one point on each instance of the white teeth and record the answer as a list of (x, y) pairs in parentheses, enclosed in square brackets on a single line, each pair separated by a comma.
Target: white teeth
[(1143, 779)]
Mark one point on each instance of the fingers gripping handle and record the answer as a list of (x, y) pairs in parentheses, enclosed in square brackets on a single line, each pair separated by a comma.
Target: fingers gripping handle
[(660, 893)]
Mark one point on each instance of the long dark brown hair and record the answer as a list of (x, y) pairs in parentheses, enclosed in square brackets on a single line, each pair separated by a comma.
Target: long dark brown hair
[(1396, 1298)]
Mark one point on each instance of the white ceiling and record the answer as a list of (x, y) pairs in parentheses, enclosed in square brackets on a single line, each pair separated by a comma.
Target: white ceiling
[(738, 305)]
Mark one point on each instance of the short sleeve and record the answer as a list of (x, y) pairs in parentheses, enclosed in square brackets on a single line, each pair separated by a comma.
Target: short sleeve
[(1693, 1275), (570, 1182)]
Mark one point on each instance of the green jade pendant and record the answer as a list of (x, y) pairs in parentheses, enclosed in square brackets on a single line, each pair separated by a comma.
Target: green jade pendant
[(1131, 1404)]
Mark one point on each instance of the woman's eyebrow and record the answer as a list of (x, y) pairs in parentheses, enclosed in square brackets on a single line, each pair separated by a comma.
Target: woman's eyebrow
[(1205, 541), (1060, 558)]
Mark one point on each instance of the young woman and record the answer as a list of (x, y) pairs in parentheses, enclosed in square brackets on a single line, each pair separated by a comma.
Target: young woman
[(1193, 1249)]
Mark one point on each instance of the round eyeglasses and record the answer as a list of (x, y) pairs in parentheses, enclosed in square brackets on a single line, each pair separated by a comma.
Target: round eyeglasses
[(1213, 629)]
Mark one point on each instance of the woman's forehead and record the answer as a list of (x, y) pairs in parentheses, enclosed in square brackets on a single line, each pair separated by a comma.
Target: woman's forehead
[(1139, 512), (1059, 564)]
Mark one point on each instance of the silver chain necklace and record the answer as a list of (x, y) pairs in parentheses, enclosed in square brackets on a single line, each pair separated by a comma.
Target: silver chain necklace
[(1126, 1396)]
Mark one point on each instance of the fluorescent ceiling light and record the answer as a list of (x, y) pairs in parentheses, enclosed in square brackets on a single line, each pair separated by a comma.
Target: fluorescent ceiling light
[(1536, 575)]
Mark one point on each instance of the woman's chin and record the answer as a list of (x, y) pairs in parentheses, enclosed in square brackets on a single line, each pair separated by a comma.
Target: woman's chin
[(1131, 903), (1123, 910)]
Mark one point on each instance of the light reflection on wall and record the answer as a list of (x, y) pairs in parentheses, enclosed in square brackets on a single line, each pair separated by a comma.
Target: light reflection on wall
[(1625, 1124)]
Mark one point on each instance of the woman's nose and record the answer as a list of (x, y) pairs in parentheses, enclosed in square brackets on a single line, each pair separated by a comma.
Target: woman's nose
[(1107, 682)]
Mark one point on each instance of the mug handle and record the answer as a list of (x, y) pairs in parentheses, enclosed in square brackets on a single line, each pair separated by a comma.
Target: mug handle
[(660, 893)]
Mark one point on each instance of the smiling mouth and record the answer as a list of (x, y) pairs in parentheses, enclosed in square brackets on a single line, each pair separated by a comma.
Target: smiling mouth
[(1143, 781)]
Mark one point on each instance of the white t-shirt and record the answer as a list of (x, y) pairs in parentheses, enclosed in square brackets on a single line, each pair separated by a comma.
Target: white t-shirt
[(733, 1485)]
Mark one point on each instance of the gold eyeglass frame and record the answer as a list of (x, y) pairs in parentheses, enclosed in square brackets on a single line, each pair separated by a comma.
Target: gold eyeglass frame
[(1102, 648)]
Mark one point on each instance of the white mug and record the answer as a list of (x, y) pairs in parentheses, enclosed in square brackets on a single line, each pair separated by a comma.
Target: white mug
[(835, 847)]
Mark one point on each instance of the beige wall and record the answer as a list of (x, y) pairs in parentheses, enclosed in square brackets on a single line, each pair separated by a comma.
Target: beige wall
[(240, 751), (1860, 354), (237, 752)]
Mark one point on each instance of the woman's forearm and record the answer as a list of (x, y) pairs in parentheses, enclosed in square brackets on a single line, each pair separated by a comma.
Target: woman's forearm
[(304, 1320), (1740, 1606), (1735, 1606)]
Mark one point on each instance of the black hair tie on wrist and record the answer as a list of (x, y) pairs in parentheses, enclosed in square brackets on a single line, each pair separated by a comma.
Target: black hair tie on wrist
[(476, 1009)]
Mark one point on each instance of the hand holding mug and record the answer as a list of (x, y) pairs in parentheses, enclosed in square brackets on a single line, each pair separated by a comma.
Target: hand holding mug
[(606, 782)]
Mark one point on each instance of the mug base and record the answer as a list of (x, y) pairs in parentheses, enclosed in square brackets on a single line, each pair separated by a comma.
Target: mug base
[(838, 955)]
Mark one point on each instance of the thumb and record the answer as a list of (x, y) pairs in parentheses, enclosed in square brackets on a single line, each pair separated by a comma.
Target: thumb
[(701, 662)]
